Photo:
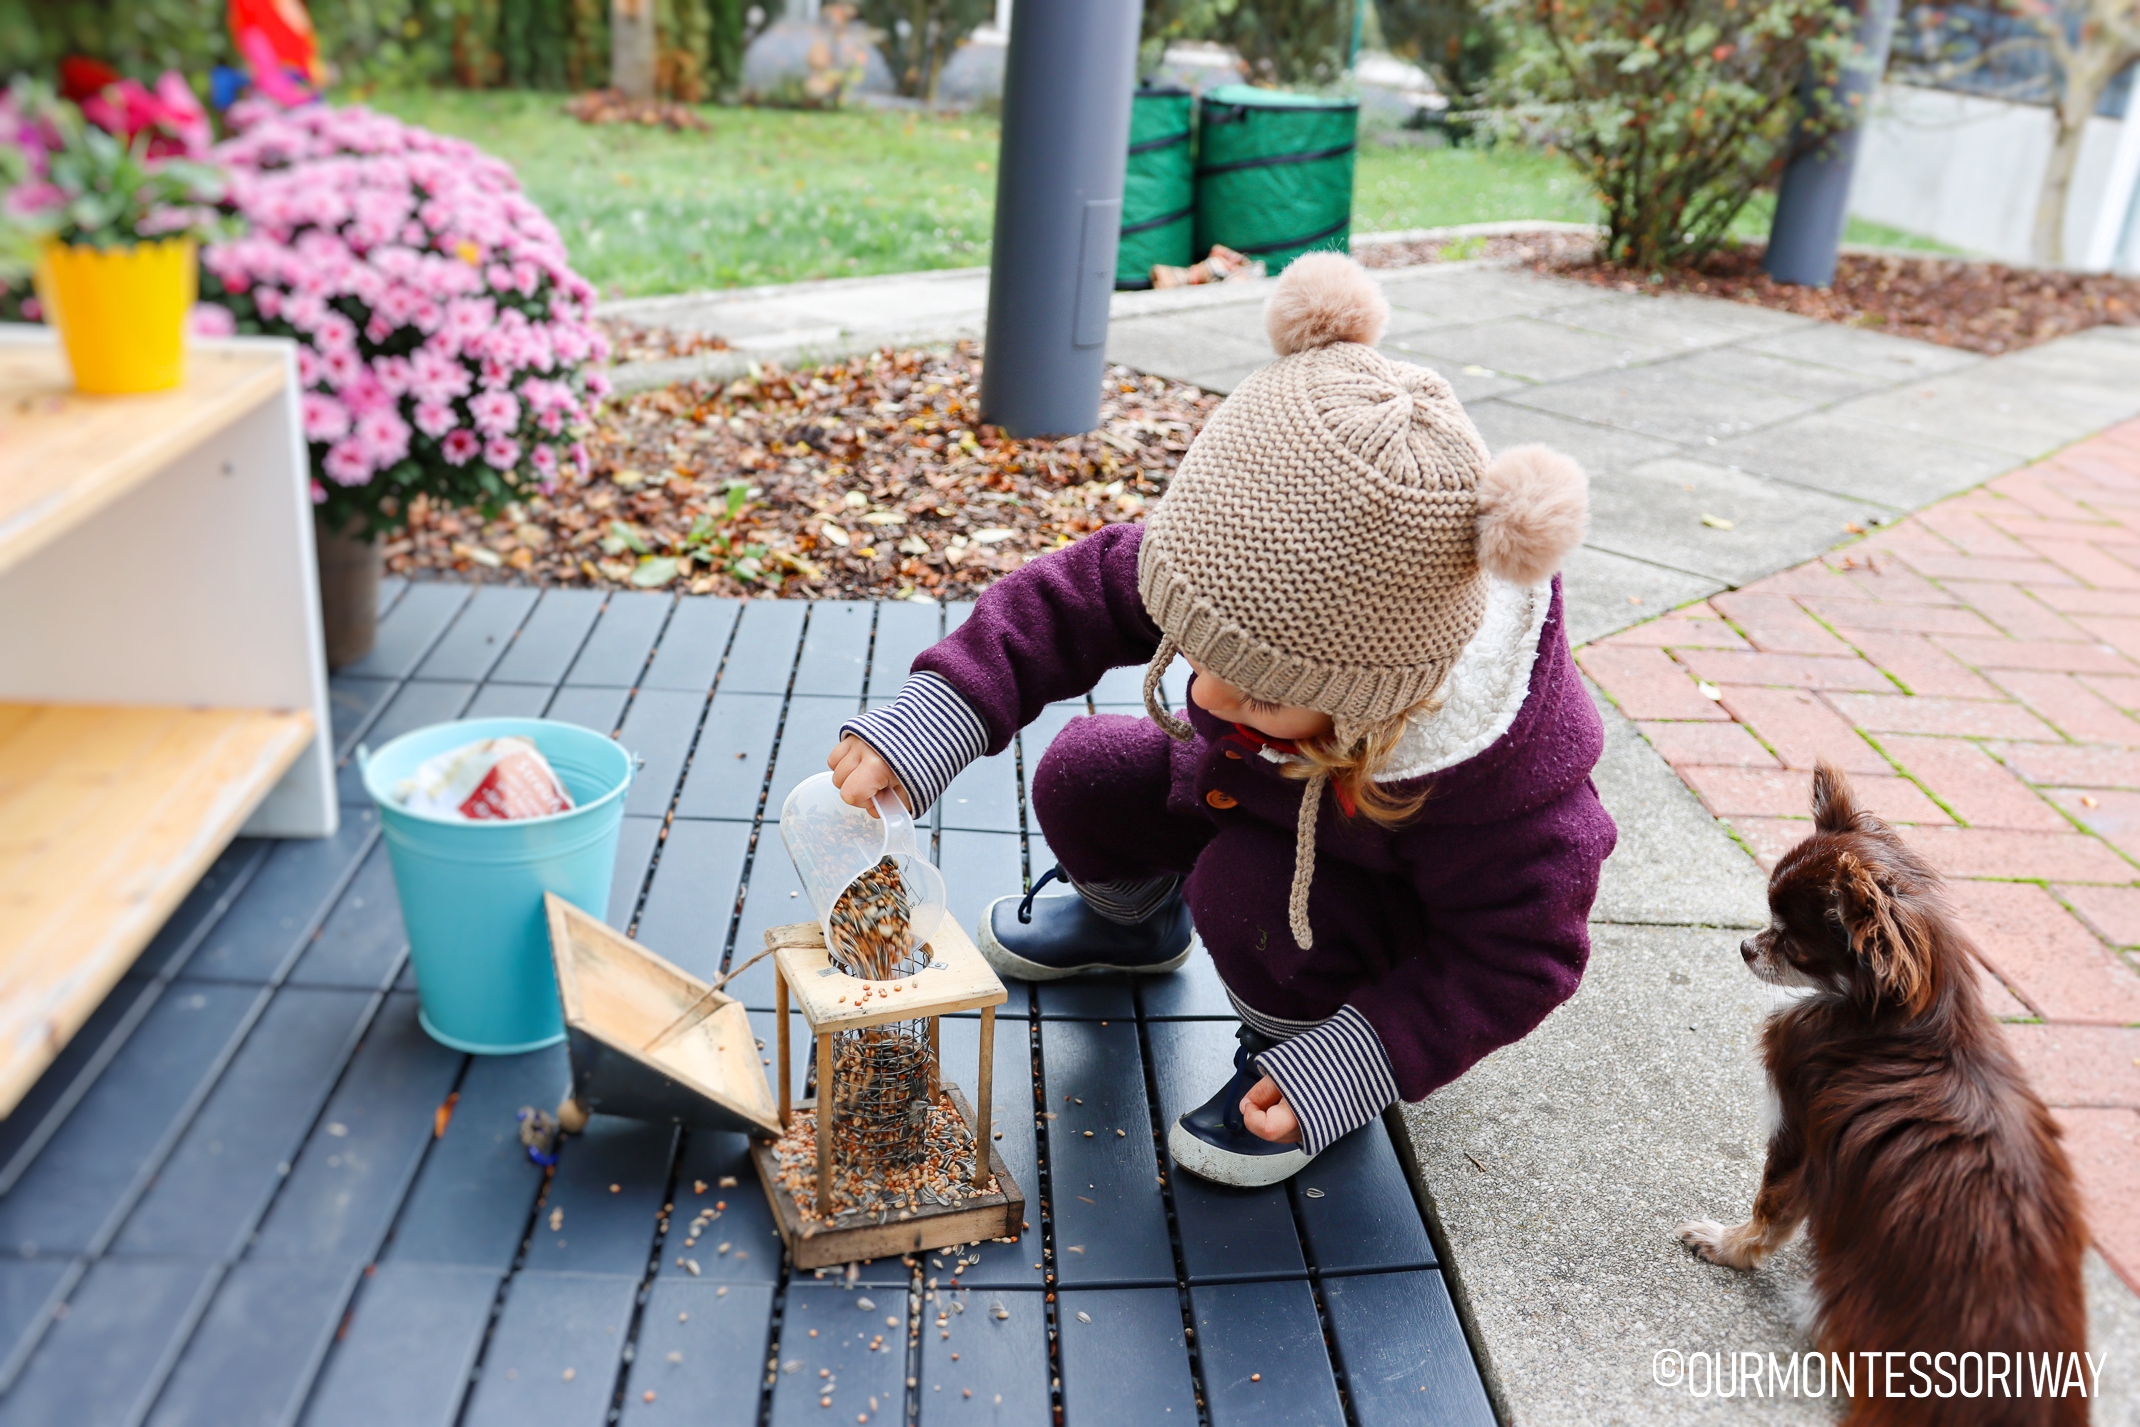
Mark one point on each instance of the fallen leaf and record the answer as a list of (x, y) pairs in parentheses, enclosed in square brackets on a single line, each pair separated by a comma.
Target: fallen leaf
[(834, 534), (1708, 690), (489, 559), (654, 572), (994, 535), (1716, 522)]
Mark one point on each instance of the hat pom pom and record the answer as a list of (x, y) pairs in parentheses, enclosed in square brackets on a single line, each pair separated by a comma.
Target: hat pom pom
[(1325, 298), (1533, 505)]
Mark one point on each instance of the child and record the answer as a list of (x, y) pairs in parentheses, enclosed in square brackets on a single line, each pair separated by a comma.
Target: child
[(1378, 813)]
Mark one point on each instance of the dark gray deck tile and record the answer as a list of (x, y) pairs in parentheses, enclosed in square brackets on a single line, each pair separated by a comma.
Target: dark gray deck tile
[(693, 898), (595, 708), (1124, 687), (745, 1226), (984, 797), (835, 650), (103, 1362), (616, 650), (1129, 1366), (701, 1352), (904, 629), (211, 897), (54, 1095), (692, 645), (799, 1050), (409, 629), (845, 1330), (775, 899), (1001, 1375), (600, 1230), (550, 639), (1094, 996), (360, 945), (811, 730), (481, 634), (956, 613), (391, 588), (1404, 1352), (1110, 1222), (29, 1290), (734, 748), (658, 729), (1016, 1265), (553, 1323), (762, 654), (274, 916), (91, 1168), (635, 852), (358, 1161), (1366, 1217), (252, 1359), (417, 704), (1244, 1330), (1226, 1233), (978, 868), (469, 1204), (411, 1341), (351, 702), (210, 1193), (508, 701), (1194, 993)]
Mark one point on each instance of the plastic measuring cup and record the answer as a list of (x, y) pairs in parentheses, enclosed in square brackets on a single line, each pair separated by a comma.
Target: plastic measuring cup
[(832, 843)]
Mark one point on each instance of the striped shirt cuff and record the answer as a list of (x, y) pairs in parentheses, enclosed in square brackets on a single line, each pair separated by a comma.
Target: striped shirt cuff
[(1336, 1077), (928, 734)]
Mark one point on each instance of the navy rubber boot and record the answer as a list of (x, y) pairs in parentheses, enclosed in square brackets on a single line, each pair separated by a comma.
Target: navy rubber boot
[(1214, 1142), (1036, 938)]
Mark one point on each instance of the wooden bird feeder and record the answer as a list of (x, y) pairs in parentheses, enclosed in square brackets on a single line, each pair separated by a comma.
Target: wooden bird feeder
[(956, 979)]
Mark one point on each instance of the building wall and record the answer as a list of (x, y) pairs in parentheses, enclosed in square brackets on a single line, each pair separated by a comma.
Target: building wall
[(1966, 170)]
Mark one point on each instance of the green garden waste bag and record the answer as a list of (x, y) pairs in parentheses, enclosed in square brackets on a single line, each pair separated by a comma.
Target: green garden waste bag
[(1159, 191), (1274, 173)]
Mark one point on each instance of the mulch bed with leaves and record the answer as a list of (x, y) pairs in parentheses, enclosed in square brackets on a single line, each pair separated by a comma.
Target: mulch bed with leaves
[(866, 478)]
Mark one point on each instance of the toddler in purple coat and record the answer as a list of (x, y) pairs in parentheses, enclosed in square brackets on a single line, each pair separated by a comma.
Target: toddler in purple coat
[(1376, 813)]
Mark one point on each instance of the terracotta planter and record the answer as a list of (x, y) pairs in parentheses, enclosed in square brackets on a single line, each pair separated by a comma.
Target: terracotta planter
[(350, 565)]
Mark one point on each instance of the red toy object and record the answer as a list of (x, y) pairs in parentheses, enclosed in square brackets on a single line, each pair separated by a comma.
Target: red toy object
[(285, 39), (81, 77)]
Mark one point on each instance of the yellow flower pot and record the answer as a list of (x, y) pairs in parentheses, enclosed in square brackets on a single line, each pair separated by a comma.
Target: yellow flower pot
[(121, 313)]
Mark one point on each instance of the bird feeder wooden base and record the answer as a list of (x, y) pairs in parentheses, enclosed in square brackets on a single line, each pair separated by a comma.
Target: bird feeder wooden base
[(984, 1216), (957, 979)]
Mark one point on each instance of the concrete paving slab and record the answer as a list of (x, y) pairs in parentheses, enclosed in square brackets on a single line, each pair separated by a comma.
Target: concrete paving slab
[(1987, 406), (1675, 865), (1864, 459), (1663, 510), (1561, 1164), (2113, 1330), (1741, 365), (1603, 593), (1478, 292), (1858, 349), (1676, 320), (1538, 350), (1667, 401), (1599, 448)]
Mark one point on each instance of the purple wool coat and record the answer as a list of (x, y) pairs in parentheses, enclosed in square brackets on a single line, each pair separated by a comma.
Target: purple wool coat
[(1453, 935)]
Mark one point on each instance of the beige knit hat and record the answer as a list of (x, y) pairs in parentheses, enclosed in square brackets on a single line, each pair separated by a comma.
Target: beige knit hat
[(1323, 540)]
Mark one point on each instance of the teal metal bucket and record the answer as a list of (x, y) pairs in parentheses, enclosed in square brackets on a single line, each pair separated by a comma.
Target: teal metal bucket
[(471, 892)]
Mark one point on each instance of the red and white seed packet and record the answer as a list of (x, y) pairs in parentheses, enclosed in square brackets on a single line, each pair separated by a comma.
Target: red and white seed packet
[(490, 779)]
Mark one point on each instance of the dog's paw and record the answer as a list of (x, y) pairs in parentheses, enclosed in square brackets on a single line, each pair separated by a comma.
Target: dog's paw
[(1707, 1238)]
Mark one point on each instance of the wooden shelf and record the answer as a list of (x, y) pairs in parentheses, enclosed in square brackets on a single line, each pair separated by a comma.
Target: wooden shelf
[(108, 816), (65, 456)]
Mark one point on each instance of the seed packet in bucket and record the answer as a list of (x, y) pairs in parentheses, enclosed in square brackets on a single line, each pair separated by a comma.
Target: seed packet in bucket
[(491, 779)]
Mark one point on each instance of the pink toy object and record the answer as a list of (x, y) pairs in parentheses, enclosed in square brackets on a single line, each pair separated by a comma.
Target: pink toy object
[(437, 316)]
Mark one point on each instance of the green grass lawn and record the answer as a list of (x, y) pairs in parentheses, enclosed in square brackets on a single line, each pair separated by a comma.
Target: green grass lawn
[(773, 195)]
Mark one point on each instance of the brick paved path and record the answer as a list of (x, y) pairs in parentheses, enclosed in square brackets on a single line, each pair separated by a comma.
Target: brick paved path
[(1976, 669)]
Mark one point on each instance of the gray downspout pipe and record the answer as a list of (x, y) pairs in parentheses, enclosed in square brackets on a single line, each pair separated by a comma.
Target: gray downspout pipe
[(1066, 97), (1813, 199)]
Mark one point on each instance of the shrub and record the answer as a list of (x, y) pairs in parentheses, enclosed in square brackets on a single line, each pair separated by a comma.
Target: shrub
[(917, 37), (1456, 41), (443, 340), (1678, 111)]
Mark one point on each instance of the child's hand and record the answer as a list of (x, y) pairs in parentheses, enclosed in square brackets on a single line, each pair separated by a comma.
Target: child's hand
[(1268, 1116), (860, 774)]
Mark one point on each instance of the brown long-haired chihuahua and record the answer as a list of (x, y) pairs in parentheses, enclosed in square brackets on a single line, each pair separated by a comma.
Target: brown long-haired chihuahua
[(1940, 1205)]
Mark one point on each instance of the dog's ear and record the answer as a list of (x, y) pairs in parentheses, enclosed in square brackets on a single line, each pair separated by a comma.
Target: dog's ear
[(1890, 929), (1835, 807)]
